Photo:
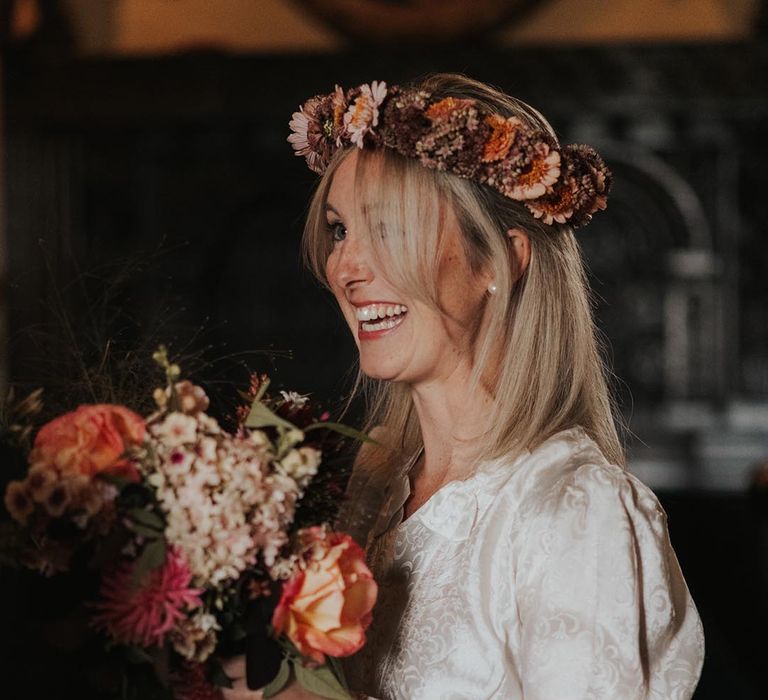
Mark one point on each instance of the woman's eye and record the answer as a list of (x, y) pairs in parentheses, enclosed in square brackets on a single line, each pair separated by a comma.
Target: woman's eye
[(338, 231)]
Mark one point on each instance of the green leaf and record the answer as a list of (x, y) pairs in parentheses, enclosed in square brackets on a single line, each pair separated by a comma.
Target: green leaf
[(262, 417), (344, 430), (146, 519), (338, 670), (262, 390), (322, 682), (119, 482), (135, 496), (279, 681), (152, 557), (149, 533)]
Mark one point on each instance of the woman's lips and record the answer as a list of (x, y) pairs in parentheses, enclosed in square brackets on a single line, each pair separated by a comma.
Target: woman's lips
[(376, 319), (370, 330)]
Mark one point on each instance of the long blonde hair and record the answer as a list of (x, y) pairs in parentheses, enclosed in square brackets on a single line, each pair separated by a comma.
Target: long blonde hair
[(536, 345)]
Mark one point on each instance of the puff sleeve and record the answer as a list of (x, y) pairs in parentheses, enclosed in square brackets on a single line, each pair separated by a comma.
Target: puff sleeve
[(602, 609)]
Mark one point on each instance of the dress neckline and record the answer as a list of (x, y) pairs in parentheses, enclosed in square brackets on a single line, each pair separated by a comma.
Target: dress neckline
[(400, 487), (447, 486), (482, 468)]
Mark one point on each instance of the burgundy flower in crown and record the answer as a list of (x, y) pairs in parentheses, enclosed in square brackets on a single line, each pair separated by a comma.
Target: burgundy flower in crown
[(559, 185)]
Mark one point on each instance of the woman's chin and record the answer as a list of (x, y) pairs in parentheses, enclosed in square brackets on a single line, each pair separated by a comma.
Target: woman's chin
[(377, 369), (379, 374)]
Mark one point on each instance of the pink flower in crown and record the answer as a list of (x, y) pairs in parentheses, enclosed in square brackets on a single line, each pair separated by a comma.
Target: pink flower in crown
[(363, 115), (318, 127), (299, 139), (145, 612)]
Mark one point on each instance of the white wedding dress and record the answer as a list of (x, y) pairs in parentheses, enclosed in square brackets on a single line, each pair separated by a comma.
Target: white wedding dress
[(548, 578)]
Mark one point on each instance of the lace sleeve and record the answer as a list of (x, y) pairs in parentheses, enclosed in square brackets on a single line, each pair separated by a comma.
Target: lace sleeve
[(602, 606)]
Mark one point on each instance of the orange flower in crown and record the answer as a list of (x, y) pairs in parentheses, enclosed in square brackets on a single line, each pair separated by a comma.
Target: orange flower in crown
[(558, 185), (326, 605), (502, 137), (89, 440), (580, 191)]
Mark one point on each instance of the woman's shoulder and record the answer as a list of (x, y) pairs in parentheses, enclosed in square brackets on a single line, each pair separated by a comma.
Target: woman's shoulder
[(596, 579), (568, 475)]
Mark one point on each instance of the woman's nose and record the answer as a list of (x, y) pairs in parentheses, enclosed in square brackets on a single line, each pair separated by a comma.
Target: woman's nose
[(352, 265)]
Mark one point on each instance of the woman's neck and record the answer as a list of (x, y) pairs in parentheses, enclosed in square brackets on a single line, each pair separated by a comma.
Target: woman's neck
[(453, 418)]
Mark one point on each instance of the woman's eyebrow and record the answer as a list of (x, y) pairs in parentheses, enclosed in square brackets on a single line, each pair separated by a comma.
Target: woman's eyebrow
[(330, 207)]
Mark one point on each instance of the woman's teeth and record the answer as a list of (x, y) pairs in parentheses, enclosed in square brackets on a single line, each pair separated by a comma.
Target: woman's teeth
[(389, 323), (377, 317)]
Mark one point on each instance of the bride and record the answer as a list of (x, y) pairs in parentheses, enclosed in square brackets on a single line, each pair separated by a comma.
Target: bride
[(516, 556)]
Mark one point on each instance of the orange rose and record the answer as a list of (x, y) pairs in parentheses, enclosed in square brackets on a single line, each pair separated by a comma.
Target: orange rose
[(326, 606), (90, 440)]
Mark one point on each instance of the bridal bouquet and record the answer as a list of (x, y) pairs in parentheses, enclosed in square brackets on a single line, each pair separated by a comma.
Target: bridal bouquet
[(201, 539)]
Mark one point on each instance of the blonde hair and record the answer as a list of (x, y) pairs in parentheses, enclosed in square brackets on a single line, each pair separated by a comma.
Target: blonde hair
[(536, 344)]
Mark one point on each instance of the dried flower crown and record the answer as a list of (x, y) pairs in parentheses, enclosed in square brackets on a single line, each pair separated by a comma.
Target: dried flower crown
[(458, 135)]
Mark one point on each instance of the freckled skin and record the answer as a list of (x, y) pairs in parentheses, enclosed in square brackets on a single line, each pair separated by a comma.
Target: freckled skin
[(428, 345)]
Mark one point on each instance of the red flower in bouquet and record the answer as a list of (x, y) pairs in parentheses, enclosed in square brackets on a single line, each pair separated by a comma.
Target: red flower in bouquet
[(144, 612), (326, 605), (89, 440)]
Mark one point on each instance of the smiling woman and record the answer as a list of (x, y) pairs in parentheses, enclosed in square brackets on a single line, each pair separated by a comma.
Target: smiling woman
[(516, 557), (442, 242), (431, 336)]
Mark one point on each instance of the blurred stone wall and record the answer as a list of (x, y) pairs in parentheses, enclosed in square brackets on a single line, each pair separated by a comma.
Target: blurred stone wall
[(183, 161)]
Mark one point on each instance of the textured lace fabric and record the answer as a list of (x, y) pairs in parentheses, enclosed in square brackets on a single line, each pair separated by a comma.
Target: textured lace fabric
[(548, 578)]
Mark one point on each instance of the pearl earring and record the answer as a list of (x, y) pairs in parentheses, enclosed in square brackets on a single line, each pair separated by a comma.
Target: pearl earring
[(492, 288)]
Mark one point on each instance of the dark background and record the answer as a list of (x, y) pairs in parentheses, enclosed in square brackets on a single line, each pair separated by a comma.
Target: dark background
[(155, 200)]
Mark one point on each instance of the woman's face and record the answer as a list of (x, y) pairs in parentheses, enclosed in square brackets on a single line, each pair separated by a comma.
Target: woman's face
[(400, 338)]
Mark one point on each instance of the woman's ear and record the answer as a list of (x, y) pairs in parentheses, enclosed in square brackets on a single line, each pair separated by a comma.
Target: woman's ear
[(519, 251)]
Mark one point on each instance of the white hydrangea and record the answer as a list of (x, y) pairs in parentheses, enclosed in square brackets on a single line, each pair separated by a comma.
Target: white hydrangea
[(226, 498), (301, 464)]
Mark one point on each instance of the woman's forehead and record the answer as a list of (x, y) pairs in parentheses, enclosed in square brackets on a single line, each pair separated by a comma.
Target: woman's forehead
[(356, 186)]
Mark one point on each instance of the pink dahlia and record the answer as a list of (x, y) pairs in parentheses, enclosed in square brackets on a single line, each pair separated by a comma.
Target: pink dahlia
[(145, 612), (363, 114)]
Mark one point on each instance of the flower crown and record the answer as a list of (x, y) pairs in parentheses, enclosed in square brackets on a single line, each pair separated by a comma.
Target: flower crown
[(458, 135)]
